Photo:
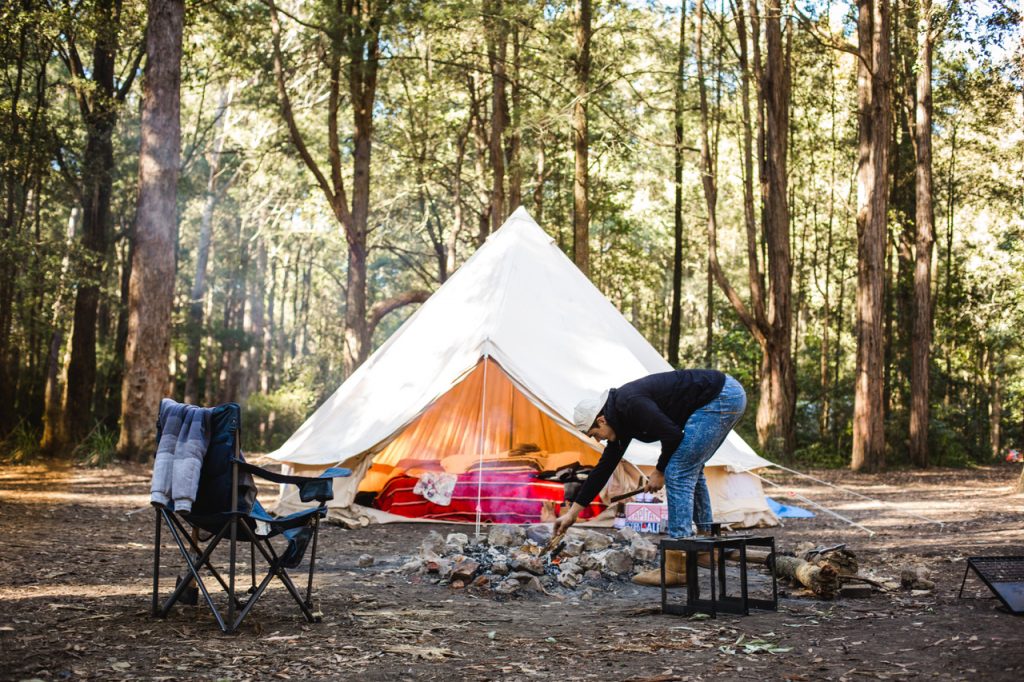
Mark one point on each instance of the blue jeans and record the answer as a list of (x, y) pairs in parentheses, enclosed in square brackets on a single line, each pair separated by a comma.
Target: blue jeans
[(704, 433)]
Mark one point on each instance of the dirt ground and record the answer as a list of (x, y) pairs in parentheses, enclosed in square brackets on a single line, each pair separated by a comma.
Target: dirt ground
[(75, 586)]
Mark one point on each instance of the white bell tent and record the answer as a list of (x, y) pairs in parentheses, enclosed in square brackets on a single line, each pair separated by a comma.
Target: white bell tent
[(496, 358)]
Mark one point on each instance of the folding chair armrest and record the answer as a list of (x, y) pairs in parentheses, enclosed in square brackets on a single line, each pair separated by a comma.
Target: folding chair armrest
[(319, 488)]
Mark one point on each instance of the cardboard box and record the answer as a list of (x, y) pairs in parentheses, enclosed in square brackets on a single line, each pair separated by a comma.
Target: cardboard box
[(646, 517)]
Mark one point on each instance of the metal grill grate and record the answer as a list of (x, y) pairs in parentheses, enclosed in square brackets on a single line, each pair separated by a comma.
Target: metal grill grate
[(1000, 569), (1004, 575)]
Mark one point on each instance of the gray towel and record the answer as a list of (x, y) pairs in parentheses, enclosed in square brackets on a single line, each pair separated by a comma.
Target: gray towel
[(184, 438)]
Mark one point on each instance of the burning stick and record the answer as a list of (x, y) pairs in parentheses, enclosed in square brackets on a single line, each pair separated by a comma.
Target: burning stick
[(555, 545)]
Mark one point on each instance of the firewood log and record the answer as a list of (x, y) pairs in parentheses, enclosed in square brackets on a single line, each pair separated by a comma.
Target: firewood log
[(842, 560), (823, 581)]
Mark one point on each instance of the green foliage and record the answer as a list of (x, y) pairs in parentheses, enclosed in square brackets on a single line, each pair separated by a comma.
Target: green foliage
[(20, 445), (272, 417), (99, 449)]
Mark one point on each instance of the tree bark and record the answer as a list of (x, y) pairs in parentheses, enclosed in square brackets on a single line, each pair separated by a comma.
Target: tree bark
[(675, 316), (152, 283), (874, 112), (497, 52), (98, 165), (194, 329), (775, 410), (995, 405), (771, 325), (581, 180), (920, 344), (52, 421)]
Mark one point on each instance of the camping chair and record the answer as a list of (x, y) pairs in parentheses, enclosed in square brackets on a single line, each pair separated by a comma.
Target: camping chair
[(226, 508)]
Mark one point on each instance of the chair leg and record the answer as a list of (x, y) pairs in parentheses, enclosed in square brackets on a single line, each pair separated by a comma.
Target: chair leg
[(267, 550), (198, 552), (193, 568), (156, 566), (312, 562)]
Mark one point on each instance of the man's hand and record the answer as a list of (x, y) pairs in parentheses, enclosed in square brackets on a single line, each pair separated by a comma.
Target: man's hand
[(656, 482), (565, 521)]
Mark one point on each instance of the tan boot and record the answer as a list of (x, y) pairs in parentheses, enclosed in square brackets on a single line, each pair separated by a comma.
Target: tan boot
[(675, 572)]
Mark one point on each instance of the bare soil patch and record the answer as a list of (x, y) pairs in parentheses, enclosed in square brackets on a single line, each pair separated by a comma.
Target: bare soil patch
[(76, 578)]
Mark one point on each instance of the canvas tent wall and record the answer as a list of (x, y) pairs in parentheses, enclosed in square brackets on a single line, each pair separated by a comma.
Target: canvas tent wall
[(498, 356)]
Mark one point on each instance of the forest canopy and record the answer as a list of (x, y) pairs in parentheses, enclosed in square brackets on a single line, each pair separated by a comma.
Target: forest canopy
[(703, 163)]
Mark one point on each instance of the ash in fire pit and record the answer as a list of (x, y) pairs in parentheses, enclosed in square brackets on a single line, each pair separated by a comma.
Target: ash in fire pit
[(513, 559)]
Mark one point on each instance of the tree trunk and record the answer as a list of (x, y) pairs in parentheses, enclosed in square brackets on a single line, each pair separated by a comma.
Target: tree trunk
[(775, 423), (581, 180), (356, 38), (540, 177), (920, 344), (98, 101), (513, 150), (874, 114), (257, 321), (152, 282), (675, 316), (194, 328), (52, 422), (76, 407), (995, 405), (497, 51)]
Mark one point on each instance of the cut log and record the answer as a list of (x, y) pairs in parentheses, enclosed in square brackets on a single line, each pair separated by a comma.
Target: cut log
[(823, 581), (842, 560)]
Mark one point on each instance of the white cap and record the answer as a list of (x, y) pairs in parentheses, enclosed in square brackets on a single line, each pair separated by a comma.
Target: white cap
[(585, 414)]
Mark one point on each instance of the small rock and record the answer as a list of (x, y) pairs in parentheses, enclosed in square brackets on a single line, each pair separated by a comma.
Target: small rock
[(569, 580), (615, 561), (588, 593), (365, 560), (433, 543), (916, 578), (458, 584), (572, 548), (855, 591), (500, 568), (592, 575), (506, 535), (540, 533), (570, 566), (529, 563), (642, 549), (412, 565), (482, 581), (464, 570), (588, 562), (508, 586), (594, 541), (456, 542), (627, 534)]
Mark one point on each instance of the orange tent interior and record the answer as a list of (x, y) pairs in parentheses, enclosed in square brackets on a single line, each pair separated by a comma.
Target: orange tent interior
[(450, 431)]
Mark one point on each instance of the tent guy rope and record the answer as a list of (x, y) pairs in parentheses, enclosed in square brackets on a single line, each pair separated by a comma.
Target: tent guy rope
[(815, 504), (853, 492)]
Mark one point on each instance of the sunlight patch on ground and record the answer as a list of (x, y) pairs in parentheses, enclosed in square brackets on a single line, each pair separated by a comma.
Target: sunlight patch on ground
[(83, 498)]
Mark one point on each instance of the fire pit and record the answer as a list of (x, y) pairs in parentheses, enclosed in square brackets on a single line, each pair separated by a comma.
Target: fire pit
[(516, 559)]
